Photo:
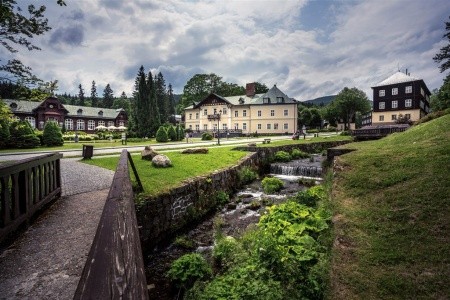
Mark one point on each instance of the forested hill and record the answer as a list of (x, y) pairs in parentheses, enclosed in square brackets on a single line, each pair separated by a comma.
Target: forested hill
[(321, 101)]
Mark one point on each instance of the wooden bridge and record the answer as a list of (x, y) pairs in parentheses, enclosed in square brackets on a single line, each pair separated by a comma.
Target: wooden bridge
[(113, 267)]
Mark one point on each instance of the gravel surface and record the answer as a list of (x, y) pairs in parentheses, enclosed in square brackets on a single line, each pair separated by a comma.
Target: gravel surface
[(47, 260)]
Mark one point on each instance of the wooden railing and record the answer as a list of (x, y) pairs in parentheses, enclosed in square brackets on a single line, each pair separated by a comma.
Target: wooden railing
[(115, 267), (26, 186), (377, 132)]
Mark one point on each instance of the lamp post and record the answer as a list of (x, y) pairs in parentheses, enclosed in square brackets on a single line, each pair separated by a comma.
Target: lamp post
[(218, 126)]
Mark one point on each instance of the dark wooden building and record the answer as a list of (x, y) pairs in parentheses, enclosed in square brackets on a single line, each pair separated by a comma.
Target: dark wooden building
[(400, 95), (73, 117)]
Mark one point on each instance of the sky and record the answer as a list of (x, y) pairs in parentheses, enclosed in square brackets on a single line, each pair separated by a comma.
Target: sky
[(307, 48)]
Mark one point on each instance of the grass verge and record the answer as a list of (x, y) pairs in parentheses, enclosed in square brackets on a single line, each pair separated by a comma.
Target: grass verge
[(159, 180), (391, 201)]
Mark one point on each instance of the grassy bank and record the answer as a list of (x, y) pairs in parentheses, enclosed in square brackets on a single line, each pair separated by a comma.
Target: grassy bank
[(158, 180), (392, 211)]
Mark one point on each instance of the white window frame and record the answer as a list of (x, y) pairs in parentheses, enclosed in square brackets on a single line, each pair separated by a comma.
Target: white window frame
[(236, 114), (196, 115), (259, 113), (269, 126), (244, 113), (286, 112), (272, 113), (205, 112), (381, 105), (286, 126), (381, 118), (259, 126), (31, 121), (121, 123), (236, 126), (205, 126), (393, 117), (101, 123), (408, 103), (394, 91), (197, 127), (381, 93), (244, 126), (408, 89), (110, 123), (69, 124), (80, 124), (224, 111), (395, 104), (91, 125), (190, 116)]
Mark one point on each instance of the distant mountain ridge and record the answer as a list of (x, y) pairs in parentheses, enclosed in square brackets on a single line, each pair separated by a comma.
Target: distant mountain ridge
[(321, 101)]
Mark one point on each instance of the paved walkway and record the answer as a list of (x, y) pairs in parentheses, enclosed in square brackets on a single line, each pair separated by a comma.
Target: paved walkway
[(47, 260)]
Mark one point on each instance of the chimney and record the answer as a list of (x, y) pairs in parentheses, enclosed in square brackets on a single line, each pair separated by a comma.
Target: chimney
[(250, 89)]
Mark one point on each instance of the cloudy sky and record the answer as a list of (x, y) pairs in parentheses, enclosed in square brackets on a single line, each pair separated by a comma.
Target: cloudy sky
[(308, 48)]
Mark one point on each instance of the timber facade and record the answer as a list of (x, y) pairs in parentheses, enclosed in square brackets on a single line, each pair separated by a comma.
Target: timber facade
[(72, 117)]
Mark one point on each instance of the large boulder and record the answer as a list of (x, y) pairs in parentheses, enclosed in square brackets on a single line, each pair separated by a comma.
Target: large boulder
[(148, 153), (195, 151), (161, 161)]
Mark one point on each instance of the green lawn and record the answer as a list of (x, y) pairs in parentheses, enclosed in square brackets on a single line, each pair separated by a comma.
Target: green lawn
[(392, 212), (158, 180)]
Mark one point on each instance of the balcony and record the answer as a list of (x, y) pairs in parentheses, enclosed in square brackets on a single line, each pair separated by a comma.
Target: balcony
[(213, 117)]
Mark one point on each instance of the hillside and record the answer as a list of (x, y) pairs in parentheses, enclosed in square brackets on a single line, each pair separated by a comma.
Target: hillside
[(391, 221), (321, 101)]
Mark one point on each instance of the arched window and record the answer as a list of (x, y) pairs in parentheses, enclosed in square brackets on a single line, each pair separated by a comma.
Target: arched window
[(80, 124), (121, 123), (91, 125), (69, 124), (32, 121)]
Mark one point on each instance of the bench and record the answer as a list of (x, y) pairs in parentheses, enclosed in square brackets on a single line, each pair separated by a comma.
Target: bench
[(266, 141)]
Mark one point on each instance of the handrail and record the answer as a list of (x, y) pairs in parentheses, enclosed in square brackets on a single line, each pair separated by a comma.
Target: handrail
[(26, 187), (114, 268)]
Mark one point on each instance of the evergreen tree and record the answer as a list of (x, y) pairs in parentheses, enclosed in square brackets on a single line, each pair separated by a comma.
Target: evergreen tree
[(94, 95), (153, 115), (22, 135), (52, 135), (141, 110), (171, 100), (443, 56), (172, 133), (161, 135), (108, 97), (162, 98), (81, 96)]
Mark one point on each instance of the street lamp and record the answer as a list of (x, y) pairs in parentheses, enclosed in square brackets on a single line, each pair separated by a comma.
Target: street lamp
[(217, 116)]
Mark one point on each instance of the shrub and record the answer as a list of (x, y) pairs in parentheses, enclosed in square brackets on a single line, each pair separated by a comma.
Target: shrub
[(52, 135), (246, 175), (187, 269), (311, 196), (184, 242), (22, 135), (4, 133), (282, 156), (180, 132), (161, 135), (345, 133), (224, 252), (296, 154), (271, 185), (313, 130), (206, 136), (172, 134), (222, 198), (331, 128)]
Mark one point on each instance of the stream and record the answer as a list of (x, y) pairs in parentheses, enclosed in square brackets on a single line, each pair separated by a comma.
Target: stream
[(244, 209)]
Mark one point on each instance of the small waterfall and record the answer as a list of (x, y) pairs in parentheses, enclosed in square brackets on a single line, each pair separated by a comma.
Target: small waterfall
[(296, 170)]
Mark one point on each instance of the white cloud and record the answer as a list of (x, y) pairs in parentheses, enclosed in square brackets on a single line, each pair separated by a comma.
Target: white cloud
[(242, 41)]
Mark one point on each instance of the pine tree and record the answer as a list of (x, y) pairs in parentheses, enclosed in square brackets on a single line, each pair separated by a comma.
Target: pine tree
[(108, 97), (162, 98), (81, 96), (52, 135), (94, 95), (171, 100), (141, 111), (153, 115)]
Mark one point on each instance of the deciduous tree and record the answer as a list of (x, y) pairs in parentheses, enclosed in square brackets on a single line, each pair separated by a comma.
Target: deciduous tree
[(348, 102)]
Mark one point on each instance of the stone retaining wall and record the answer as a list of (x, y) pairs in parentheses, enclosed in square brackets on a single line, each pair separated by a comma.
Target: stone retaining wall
[(159, 217)]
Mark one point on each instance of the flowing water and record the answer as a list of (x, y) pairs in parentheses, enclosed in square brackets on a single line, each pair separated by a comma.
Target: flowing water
[(243, 210)]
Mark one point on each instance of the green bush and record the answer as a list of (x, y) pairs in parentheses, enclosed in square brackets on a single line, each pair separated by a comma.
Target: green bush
[(271, 185), (222, 198), (225, 250), (187, 269), (297, 154), (246, 175), (161, 135), (331, 129), (172, 134), (22, 135), (52, 135), (345, 133), (206, 136), (246, 282), (4, 133), (311, 196), (180, 133), (313, 130), (184, 241), (282, 156)]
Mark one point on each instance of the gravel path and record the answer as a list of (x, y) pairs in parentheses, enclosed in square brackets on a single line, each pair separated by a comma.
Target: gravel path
[(47, 260)]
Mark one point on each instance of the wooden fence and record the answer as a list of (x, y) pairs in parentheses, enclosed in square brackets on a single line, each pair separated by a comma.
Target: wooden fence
[(115, 267), (26, 186), (374, 133)]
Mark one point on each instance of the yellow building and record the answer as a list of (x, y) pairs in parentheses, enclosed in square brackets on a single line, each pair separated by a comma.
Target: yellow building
[(269, 113)]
